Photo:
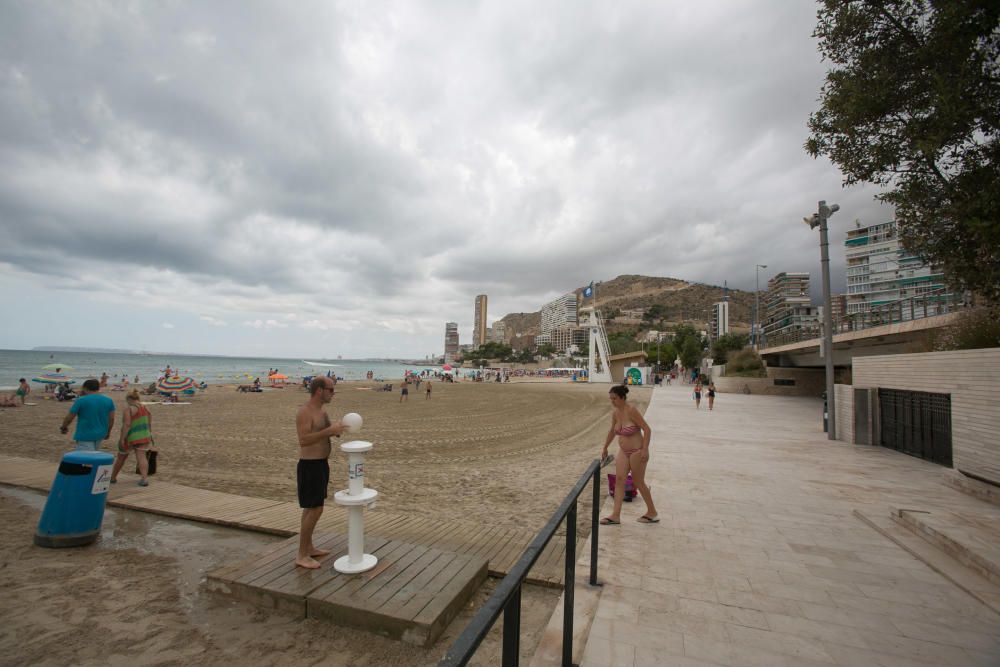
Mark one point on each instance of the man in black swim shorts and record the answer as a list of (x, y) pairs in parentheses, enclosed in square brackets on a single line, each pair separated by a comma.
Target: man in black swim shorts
[(313, 473)]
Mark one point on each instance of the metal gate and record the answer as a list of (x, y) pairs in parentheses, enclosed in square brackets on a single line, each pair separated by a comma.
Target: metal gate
[(917, 423)]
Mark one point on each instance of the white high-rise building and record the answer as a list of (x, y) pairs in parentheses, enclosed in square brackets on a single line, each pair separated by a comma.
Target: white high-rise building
[(559, 313), (720, 319), (880, 271)]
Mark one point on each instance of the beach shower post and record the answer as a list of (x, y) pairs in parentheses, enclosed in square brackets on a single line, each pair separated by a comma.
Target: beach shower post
[(355, 498)]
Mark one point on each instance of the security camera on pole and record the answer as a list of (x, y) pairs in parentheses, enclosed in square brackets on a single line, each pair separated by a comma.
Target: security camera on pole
[(819, 219)]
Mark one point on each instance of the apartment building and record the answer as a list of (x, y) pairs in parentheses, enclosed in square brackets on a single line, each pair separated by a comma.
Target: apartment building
[(498, 332), (479, 322), (720, 319), (881, 271), (559, 313), (787, 306), (450, 341)]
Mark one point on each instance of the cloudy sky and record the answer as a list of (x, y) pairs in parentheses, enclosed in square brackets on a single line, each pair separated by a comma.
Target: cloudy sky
[(340, 178)]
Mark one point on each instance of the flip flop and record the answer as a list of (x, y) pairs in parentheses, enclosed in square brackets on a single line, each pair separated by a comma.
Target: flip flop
[(647, 519), (608, 521), (607, 460)]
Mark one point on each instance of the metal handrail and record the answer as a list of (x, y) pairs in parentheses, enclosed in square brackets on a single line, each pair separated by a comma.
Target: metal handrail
[(936, 302), (507, 596)]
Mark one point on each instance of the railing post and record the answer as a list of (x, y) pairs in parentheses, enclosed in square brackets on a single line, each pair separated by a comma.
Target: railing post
[(595, 523), (512, 630), (569, 587)]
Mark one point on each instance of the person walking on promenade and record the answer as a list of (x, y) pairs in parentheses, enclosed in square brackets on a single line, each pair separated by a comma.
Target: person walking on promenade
[(313, 473), (697, 395), (711, 394), (633, 455), (136, 436), (22, 390), (97, 417)]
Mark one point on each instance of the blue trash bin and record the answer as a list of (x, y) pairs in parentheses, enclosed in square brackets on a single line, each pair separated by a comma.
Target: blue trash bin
[(75, 508)]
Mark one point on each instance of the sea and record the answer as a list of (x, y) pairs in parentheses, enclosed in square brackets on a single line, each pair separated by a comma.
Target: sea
[(15, 364)]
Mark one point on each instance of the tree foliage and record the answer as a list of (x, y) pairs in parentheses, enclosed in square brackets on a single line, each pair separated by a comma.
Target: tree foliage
[(620, 342), (491, 350), (546, 350), (726, 343), (691, 353), (912, 103), (745, 363), (684, 332)]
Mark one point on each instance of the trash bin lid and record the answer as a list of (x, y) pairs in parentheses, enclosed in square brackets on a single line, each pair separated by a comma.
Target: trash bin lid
[(88, 458)]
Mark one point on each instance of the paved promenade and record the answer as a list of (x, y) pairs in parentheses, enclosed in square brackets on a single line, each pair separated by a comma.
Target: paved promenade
[(763, 556)]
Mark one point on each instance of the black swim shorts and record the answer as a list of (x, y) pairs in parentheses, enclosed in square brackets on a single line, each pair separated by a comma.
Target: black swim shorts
[(313, 476)]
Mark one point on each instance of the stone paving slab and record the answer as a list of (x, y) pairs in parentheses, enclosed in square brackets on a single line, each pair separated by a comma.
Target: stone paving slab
[(761, 559)]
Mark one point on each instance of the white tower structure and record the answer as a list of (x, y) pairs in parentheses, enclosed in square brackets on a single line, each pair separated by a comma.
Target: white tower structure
[(598, 362)]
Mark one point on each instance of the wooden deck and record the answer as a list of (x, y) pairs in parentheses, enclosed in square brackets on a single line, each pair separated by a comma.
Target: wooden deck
[(412, 594), (501, 547)]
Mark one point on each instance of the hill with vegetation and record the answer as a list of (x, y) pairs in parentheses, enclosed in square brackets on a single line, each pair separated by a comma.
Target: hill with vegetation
[(664, 302)]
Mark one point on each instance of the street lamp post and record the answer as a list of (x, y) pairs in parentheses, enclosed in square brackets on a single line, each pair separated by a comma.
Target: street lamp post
[(819, 219), (756, 309)]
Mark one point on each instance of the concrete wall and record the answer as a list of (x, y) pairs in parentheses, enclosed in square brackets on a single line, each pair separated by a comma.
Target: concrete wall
[(808, 382), (971, 377), (844, 406)]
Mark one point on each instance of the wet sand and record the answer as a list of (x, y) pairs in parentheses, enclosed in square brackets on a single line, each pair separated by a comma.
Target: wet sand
[(504, 454)]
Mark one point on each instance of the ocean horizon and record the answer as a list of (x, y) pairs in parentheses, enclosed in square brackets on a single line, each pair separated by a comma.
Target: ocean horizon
[(212, 369)]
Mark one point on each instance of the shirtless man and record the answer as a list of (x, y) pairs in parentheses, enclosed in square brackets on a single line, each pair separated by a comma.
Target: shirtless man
[(314, 429)]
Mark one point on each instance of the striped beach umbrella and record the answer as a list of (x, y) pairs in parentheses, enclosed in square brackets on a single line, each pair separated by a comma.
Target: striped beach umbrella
[(170, 385), (57, 367), (54, 378)]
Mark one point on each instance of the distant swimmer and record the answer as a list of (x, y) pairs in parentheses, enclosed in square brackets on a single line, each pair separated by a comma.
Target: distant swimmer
[(313, 474)]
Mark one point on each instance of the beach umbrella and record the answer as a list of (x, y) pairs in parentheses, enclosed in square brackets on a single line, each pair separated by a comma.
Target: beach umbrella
[(57, 367), (174, 384), (54, 378), (446, 367)]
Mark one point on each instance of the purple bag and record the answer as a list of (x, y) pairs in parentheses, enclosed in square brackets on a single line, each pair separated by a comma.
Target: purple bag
[(629, 486)]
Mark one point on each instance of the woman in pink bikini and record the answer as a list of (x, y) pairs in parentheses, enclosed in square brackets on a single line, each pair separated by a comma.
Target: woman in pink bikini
[(633, 454)]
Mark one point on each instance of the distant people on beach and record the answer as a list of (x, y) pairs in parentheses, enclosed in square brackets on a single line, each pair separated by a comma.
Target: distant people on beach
[(104, 380), (136, 436), (404, 393), (9, 401), (697, 394), (23, 389), (65, 393), (428, 395), (711, 394), (95, 415), (313, 472), (633, 433)]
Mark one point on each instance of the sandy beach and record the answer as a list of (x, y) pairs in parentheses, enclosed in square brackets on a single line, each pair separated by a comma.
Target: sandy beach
[(498, 454)]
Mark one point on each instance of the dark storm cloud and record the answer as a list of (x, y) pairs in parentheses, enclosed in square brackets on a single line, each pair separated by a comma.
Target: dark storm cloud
[(397, 160)]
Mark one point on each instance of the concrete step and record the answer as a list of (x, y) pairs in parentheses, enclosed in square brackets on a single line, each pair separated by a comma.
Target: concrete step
[(936, 558), (971, 538)]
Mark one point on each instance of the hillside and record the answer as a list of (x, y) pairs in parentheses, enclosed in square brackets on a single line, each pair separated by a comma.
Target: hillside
[(682, 302)]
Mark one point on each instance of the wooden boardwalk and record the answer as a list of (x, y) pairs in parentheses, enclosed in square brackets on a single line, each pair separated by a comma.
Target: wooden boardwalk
[(501, 547), (411, 594)]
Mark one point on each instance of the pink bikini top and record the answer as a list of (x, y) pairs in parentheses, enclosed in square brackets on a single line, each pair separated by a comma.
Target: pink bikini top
[(627, 430)]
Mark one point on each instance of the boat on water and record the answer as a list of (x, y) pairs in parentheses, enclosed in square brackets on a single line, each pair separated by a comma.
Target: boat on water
[(318, 363)]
